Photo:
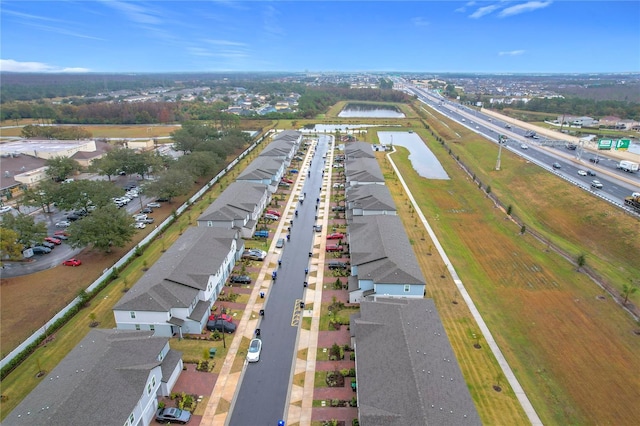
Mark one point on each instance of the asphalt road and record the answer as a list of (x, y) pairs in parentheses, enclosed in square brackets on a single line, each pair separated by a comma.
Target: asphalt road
[(62, 252), (262, 396)]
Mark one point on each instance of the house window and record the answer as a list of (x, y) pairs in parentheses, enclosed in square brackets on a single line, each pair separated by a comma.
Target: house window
[(152, 327), (149, 389), (407, 288), (153, 381), (138, 327), (209, 223), (132, 418), (132, 314)]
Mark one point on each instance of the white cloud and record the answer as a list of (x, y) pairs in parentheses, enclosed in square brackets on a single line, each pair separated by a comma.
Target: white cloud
[(464, 8), (523, 8), (134, 12), (225, 43), (511, 53), (485, 10), (11, 65), (419, 21)]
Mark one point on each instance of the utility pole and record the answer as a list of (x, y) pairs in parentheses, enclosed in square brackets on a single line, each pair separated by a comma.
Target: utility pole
[(500, 139)]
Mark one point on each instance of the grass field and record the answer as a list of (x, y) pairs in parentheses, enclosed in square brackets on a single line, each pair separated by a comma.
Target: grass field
[(571, 350), (115, 131)]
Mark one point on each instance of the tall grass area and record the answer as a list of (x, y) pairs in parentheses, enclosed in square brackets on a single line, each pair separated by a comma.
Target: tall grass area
[(569, 344)]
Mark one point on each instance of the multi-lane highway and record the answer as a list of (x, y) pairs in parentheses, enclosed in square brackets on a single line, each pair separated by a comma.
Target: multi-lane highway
[(616, 184)]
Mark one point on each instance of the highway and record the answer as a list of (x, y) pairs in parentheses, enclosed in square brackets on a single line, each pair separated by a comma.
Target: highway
[(617, 184)]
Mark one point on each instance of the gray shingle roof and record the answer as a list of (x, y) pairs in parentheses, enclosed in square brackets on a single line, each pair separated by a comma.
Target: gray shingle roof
[(261, 168), (381, 250), (175, 279), (363, 170), (236, 202), (107, 362), (358, 149), (370, 197), (289, 135), (406, 371)]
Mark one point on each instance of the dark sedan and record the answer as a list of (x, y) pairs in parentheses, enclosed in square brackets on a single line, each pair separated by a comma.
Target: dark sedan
[(221, 325), (240, 279)]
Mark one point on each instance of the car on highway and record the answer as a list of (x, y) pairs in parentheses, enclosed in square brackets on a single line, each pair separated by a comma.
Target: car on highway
[(582, 172), (280, 243), (53, 240), (335, 236), (153, 205), (172, 415), (220, 324), (596, 184), (63, 224), (524, 146), (255, 347), (591, 173), (72, 262), (240, 279), (594, 160), (556, 165)]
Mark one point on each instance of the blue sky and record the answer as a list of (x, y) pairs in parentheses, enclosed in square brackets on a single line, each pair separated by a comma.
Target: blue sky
[(541, 36)]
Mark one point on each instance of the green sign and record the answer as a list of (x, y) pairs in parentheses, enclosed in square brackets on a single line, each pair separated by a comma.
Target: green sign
[(623, 144), (605, 144)]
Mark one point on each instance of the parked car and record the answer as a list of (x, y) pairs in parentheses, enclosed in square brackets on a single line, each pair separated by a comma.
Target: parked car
[(261, 234), (294, 171), (5, 209), (334, 248), (334, 264), (284, 185), (48, 245), (224, 317), (59, 234), (596, 184), (255, 347), (221, 325), (273, 212), (148, 220), (172, 415), (338, 185), (280, 243), (140, 216), (63, 224), (146, 210), (139, 225), (582, 172), (153, 205), (286, 180), (240, 279), (556, 165), (40, 250), (254, 254), (162, 200), (338, 208), (72, 262), (72, 217), (335, 236), (60, 237), (317, 228), (53, 240), (271, 216)]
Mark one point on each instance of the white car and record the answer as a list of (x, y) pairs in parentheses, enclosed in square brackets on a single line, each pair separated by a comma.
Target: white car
[(5, 209), (153, 205), (269, 216), (524, 146), (63, 224), (140, 217), (582, 172), (253, 354), (140, 225)]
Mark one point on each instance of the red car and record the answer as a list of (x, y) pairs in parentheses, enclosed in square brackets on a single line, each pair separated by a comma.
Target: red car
[(72, 262), (274, 212), (225, 317), (53, 240), (334, 247), (335, 236), (65, 233), (286, 180)]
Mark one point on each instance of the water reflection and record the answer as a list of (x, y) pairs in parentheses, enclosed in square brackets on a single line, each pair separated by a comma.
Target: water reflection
[(422, 159), (369, 111)]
